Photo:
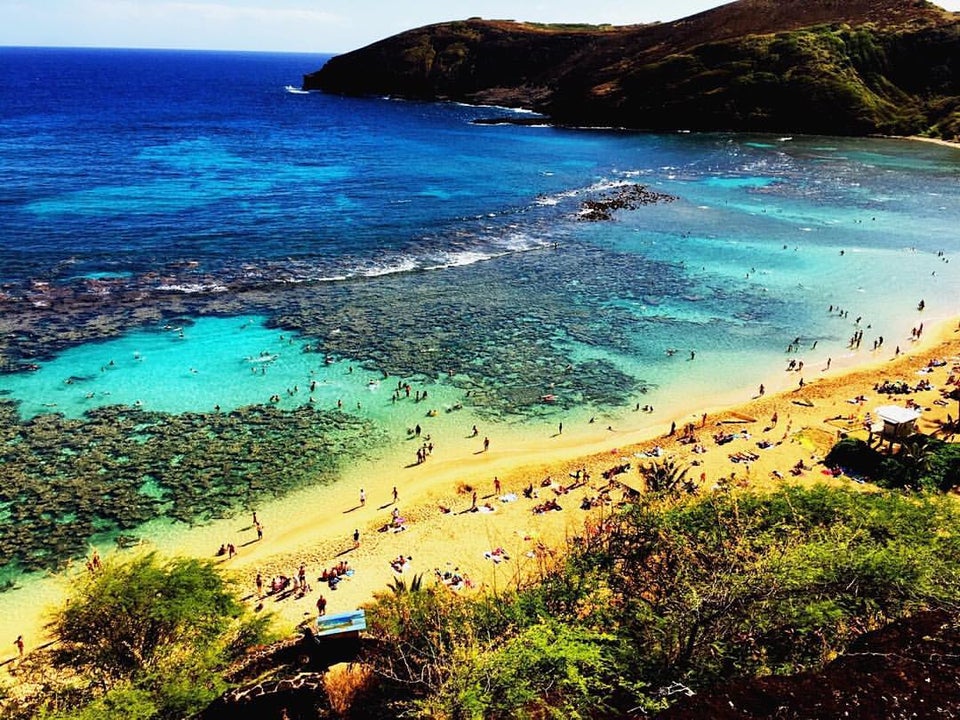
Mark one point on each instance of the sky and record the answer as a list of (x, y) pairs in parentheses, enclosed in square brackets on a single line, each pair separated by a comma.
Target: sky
[(321, 26)]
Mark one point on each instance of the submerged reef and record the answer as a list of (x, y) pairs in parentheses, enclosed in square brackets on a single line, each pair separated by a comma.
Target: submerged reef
[(66, 482), (473, 326)]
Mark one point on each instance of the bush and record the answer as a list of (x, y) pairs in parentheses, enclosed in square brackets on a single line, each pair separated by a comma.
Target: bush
[(691, 591), (143, 638)]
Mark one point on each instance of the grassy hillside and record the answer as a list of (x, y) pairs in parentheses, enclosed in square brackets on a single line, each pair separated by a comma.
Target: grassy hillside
[(869, 66)]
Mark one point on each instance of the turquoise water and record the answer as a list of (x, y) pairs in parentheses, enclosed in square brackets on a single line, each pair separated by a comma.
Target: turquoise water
[(206, 364), (182, 258)]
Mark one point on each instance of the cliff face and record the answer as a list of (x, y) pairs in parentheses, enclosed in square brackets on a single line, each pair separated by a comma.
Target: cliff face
[(819, 66)]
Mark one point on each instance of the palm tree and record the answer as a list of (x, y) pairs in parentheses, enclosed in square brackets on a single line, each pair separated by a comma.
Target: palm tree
[(916, 454), (666, 478), (399, 585)]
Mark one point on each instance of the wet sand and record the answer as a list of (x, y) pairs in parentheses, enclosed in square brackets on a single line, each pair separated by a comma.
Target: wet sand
[(462, 541)]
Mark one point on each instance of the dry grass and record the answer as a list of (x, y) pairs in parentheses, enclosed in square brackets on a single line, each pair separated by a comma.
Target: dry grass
[(343, 683)]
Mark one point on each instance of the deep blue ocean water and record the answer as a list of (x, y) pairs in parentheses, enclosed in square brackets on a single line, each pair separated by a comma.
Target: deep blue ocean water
[(215, 217)]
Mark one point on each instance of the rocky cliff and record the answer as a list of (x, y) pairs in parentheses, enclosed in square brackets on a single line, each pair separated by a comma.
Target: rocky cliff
[(819, 66)]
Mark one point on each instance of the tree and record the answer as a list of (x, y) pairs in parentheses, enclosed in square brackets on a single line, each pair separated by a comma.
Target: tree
[(131, 617), (143, 638)]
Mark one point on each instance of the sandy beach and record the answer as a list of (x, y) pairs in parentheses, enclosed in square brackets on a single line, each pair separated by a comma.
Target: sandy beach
[(503, 539), (936, 141)]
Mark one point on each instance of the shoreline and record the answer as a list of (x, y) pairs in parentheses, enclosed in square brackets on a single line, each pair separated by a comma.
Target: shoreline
[(933, 141), (315, 526)]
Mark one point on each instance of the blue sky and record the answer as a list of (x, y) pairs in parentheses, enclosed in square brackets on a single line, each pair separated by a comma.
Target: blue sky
[(293, 25)]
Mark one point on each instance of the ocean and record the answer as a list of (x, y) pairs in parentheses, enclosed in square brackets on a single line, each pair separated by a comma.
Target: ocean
[(216, 290)]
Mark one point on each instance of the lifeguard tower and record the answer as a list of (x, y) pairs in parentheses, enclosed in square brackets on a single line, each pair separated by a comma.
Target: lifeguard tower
[(898, 423)]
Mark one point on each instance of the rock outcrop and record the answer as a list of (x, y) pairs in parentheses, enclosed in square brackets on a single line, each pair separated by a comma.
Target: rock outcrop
[(817, 66)]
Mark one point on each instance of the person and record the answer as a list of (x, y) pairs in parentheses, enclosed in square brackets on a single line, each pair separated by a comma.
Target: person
[(473, 503), (321, 605), (19, 643), (486, 444), (363, 498), (259, 582), (356, 538), (496, 485), (762, 389), (395, 494), (259, 531)]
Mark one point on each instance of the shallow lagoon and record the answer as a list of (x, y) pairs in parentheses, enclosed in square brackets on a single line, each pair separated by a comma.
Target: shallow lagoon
[(412, 246)]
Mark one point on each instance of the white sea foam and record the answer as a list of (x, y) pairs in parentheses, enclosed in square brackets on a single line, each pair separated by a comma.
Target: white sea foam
[(193, 288), (404, 264), (459, 259)]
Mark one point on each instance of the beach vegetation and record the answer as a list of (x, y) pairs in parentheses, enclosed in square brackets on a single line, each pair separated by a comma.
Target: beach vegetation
[(672, 592), (666, 477), (146, 637), (920, 462), (343, 684)]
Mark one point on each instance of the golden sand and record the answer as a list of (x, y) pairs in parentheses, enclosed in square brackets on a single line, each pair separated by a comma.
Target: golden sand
[(809, 420)]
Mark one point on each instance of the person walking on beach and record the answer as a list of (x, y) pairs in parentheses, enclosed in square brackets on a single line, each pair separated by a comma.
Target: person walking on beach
[(496, 485), (259, 583), (762, 389), (356, 538), (363, 498), (19, 643), (259, 531), (486, 444), (395, 495), (321, 605)]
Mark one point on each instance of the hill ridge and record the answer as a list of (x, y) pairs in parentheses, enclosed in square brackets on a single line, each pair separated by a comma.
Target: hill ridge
[(819, 66)]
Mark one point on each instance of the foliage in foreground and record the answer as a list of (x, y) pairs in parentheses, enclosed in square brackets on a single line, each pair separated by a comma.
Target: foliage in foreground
[(920, 463), (669, 595), (138, 639)]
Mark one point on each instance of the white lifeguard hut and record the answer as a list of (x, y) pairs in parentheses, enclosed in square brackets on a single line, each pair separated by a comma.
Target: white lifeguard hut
[(898, 423)]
